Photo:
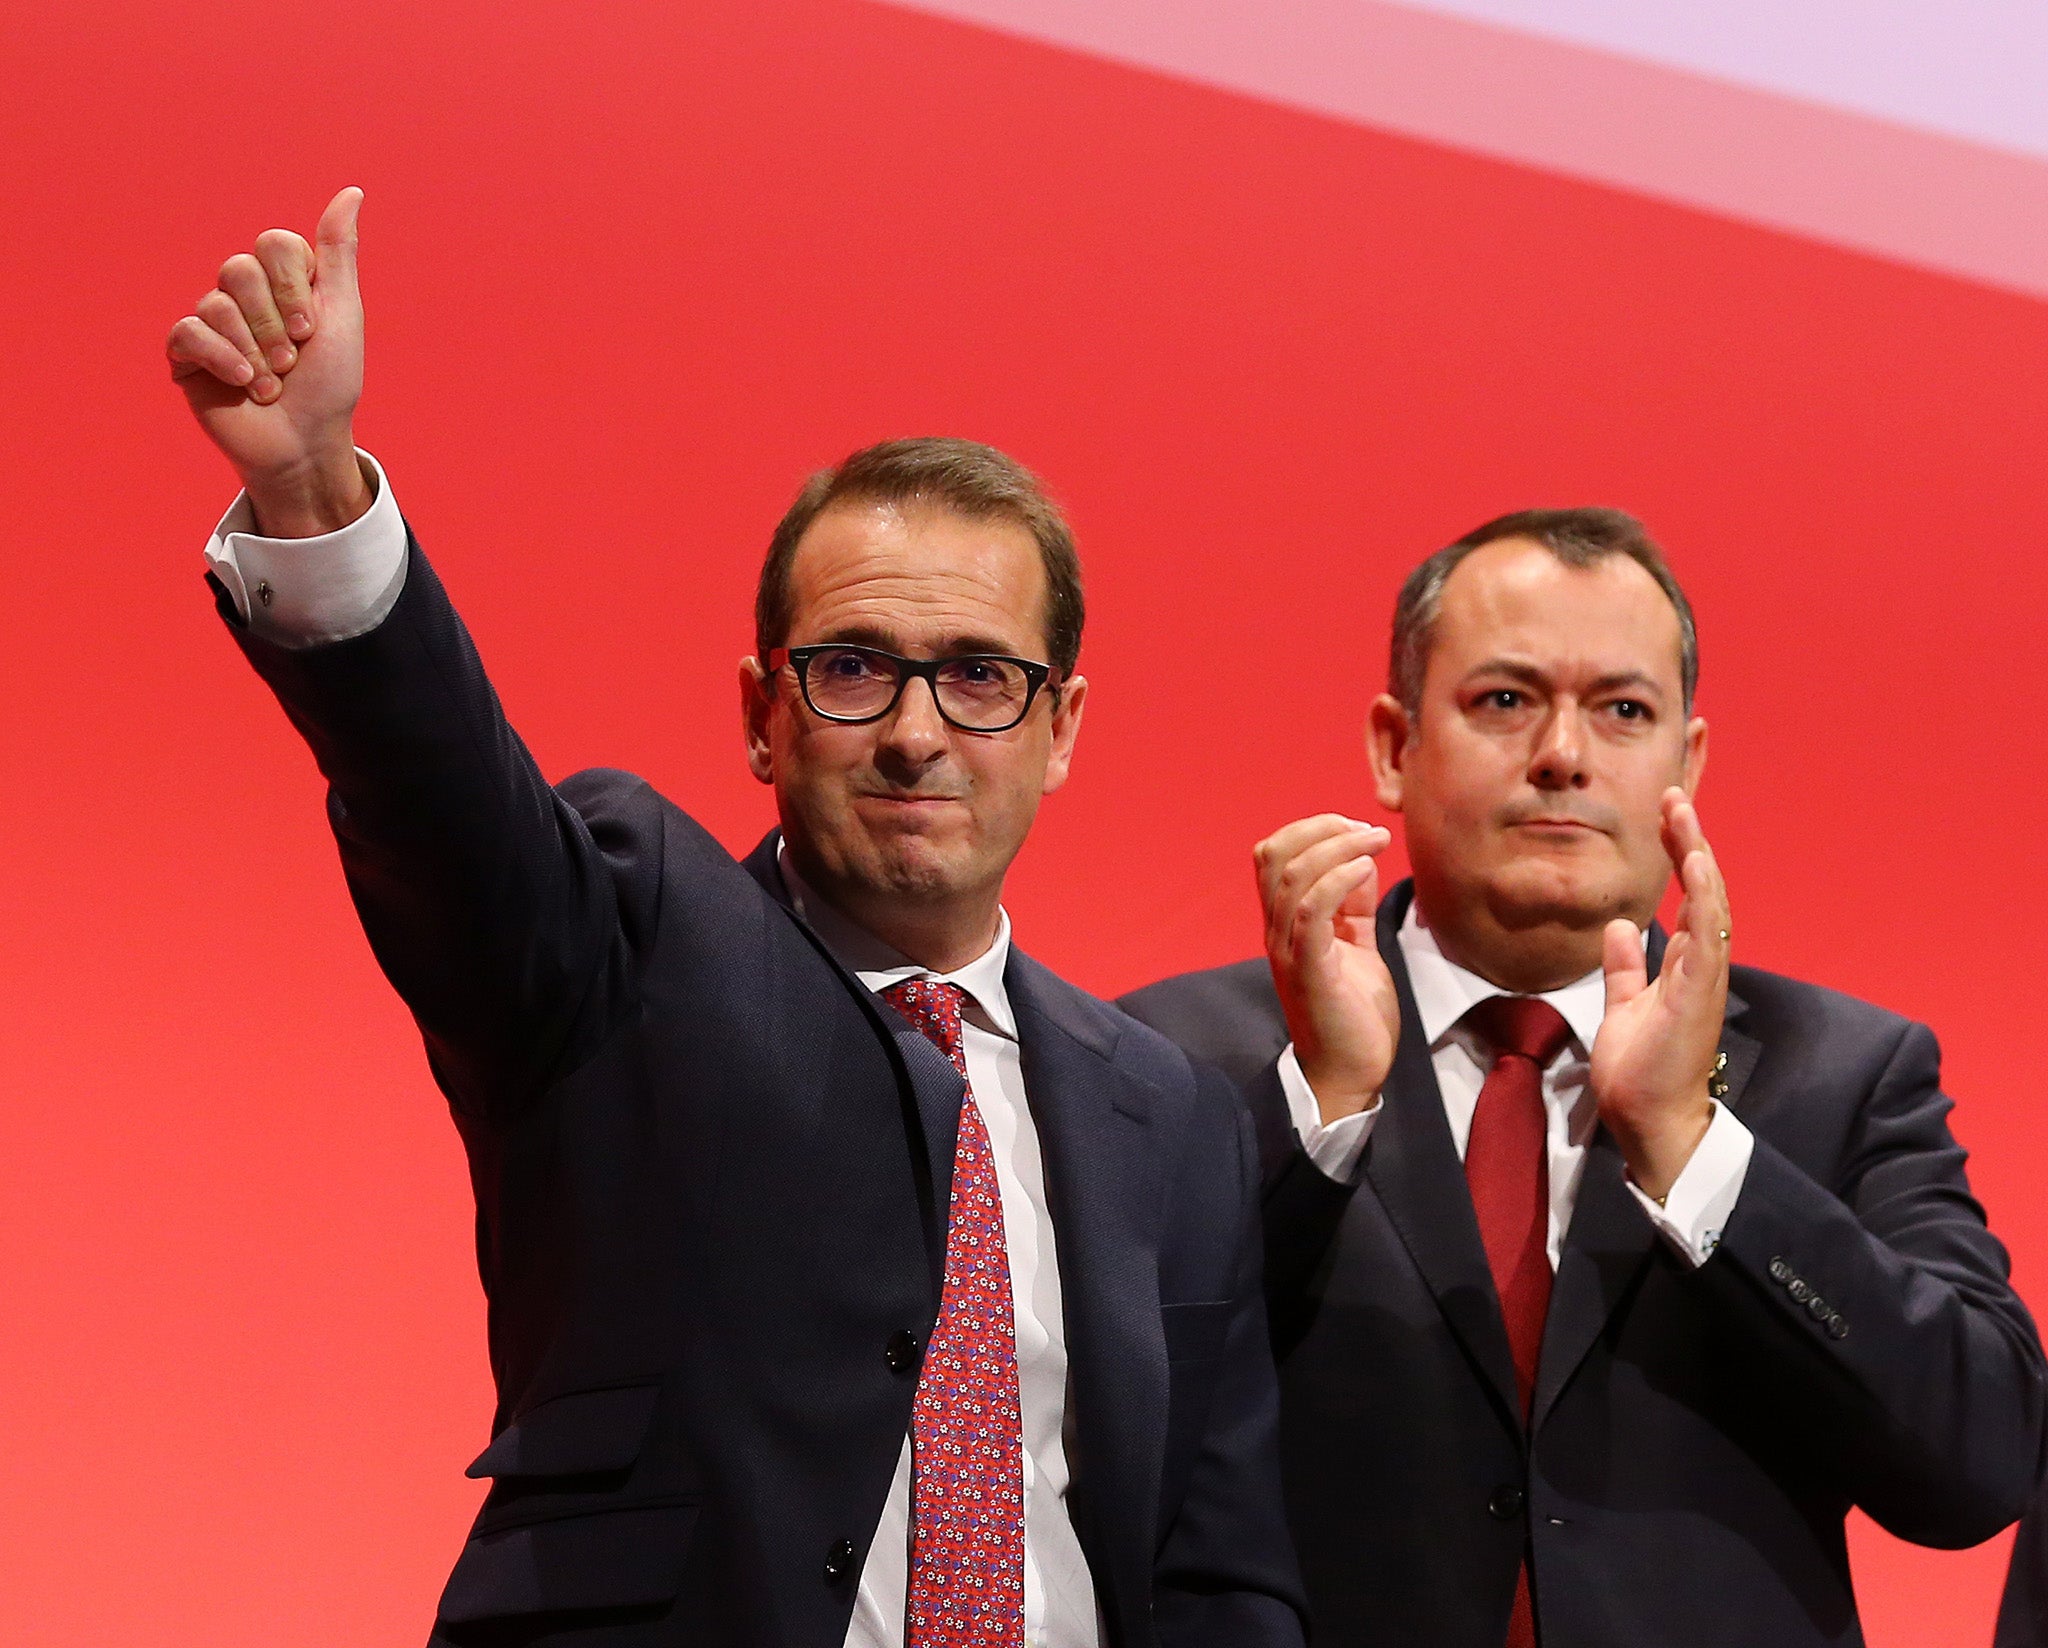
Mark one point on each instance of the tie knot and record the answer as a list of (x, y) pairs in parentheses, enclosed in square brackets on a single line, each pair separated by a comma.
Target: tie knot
[(1526, 1025), (934, 1008)]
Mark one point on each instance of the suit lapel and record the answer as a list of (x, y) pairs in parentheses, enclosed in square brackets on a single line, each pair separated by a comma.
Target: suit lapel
[(1604, 1247), (1610, 1236), (1741, 1051), (935, 1086), (1102, 1188), (1413, 1166)]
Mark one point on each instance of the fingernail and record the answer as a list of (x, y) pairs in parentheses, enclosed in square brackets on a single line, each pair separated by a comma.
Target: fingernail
[(299, 326), (244, 371), (265, 388), (282, 355)]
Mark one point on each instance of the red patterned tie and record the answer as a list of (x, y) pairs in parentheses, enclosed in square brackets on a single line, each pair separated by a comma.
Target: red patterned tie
[(1507, 1169), (966, 1430)]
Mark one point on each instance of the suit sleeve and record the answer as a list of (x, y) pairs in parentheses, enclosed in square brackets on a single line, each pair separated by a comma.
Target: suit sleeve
[(2023, 1610), (502, 922), (1887, 1307), (1226, 1575)]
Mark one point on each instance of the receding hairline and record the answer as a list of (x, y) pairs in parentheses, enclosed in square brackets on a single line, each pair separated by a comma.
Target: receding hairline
[(1516, 543), (1519, 542), (910, 507), (1579, 538), (968, 479)]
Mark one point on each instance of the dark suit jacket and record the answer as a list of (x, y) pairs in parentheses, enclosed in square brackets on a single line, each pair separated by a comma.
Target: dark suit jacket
[(711, 1175), (2023, 1611), (1698, 1435)]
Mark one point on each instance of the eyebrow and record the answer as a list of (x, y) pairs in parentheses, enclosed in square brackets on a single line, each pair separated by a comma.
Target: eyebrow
[(1530, 675), (955, 646)]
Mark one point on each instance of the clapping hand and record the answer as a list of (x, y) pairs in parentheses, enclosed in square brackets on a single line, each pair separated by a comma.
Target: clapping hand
[(1319, 882), (1655, 1052)]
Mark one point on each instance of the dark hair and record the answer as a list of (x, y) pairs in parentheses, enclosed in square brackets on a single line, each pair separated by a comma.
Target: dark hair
[(1577, 537), (962, 476)]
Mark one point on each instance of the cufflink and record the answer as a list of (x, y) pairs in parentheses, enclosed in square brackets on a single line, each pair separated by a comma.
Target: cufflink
[(1717, 1083)]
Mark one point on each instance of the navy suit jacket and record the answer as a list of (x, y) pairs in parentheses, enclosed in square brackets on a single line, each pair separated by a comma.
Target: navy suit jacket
[(2023, 1610), (1698, 1436), (712, 1174)]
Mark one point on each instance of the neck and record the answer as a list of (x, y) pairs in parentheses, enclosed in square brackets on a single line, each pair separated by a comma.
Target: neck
[(941, 933)]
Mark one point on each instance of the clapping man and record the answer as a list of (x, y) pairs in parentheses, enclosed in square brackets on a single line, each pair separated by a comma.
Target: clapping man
[(1606, 1277)]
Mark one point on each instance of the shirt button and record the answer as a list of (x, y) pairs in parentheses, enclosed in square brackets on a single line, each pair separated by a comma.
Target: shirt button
[(1504, 1504), (839, 1560), (901, 1351)]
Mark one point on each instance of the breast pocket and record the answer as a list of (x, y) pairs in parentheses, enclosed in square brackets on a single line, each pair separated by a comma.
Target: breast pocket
[(564, 1529)]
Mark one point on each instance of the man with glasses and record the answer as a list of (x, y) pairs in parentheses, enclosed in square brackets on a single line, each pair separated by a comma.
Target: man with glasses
[(1606, 1277), (852, 1279)]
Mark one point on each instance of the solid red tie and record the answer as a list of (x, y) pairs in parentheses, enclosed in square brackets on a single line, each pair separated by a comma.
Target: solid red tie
[(1507, 1170), (966, 1427)]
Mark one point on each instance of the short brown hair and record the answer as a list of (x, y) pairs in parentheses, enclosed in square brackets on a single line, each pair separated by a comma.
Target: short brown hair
[(962, 476), (1577, 537)]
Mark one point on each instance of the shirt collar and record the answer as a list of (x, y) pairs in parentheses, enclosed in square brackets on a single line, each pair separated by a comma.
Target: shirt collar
[(878, 964), (1445, 992)]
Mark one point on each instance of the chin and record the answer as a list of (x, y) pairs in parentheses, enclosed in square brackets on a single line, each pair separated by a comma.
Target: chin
[(1545, 892), (915, 867)]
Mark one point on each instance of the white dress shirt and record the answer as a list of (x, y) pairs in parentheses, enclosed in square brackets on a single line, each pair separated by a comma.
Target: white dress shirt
[(306, 592), (1059, 1594), (1701, 1198), (303, 592)]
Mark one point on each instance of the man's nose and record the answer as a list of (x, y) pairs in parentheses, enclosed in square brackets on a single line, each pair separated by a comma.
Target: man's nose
[(1559, 759), (914, 732)]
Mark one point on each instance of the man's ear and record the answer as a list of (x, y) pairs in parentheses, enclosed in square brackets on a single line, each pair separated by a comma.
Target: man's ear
[(1389, 734), (1066, 728), (1695, 755), (757, 704)]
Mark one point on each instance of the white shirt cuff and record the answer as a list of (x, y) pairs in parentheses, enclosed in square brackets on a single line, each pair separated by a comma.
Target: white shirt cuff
[(1334, 1148), (1705, 1191), (306, 592)]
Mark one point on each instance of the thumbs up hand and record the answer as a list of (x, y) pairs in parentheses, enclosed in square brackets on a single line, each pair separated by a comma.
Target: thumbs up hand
[(271, 362)]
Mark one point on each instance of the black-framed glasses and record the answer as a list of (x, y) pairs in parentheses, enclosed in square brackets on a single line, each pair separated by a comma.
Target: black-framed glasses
[(980, 692)]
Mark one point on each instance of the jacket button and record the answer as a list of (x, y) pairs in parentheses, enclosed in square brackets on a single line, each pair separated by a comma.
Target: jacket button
[(1818, 1308), (839, 1560), (1799, 1290), (1504, 1504), (1780, 1270), (901, 1351), (1837, 1328)]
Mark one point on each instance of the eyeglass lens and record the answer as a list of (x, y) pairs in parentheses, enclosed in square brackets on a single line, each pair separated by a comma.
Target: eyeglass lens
[(973, 692)]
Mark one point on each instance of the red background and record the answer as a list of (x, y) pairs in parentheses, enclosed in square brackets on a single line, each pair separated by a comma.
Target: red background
[(630, 275)]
